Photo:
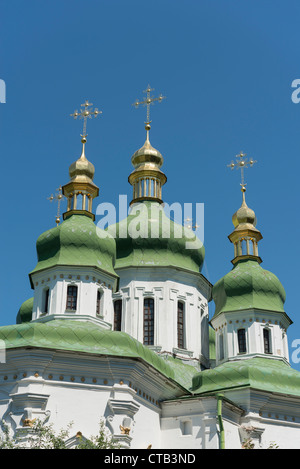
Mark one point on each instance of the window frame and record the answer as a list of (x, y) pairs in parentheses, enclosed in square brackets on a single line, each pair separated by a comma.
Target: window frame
[(46, 300), (181, 329), (148, 321), (269, 341), (71, 296), (242, 341), (118, 320)]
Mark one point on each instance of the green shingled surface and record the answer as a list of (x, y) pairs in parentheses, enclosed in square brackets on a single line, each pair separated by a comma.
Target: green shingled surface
[(147, 237), (79, 336), (247, 286), (76, 241), (258, 373), (183, 373)]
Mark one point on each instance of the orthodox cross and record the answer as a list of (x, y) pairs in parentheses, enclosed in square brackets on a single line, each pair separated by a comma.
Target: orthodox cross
[(242, 163), (86, 112), (148, 101), (57, 197)]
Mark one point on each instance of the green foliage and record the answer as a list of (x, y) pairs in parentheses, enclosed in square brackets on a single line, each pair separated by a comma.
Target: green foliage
[(103, 440), (42, 436)]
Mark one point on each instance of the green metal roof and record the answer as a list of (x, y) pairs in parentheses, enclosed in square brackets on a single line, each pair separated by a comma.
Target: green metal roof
[(258, 373), (86, 337), (147, 237), (247, 286), (76, 242)]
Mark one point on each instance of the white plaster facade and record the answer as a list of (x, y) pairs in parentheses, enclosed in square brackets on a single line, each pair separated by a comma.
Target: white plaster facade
[(254, 322), (89, 281), (167, 286), (60, 387)]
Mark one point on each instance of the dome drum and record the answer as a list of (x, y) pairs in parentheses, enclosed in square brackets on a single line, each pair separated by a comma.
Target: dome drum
[(74, 191), (147, 184)]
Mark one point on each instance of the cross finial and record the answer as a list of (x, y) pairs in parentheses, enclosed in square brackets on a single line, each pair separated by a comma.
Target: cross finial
[(58, 197), (148, 101), (242, 163), (86, 112)]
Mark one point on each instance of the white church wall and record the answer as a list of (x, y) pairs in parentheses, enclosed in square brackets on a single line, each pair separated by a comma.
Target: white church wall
[(193, 423), (253, 322), (166, 287), (88, 282), (63, 387)]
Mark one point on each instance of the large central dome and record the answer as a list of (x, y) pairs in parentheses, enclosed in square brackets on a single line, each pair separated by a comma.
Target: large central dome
[(147, 237)]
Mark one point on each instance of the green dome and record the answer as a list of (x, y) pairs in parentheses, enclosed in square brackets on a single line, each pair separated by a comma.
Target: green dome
[(247, 286), (148, 238), (76, 242), (25, 311)]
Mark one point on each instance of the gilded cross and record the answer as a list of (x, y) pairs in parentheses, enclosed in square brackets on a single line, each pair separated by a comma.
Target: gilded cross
[(57, 197), (86, 112), (148, 101), (242, 163)]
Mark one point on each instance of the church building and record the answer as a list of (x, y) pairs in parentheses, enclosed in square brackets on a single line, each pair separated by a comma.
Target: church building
[(118, 328)]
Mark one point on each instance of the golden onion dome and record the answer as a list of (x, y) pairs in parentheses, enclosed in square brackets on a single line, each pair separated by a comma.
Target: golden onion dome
[(147, 155), (244, 214), (82, 170)]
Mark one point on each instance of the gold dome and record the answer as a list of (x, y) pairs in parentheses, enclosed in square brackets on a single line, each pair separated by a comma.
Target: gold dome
[(82, 170), (245, 235), (147, 178), (147, 154), (244, 214)]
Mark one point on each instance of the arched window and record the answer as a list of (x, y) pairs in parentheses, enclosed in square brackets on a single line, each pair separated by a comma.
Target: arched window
[(267, 341), (99, 302), (242, 340), (72, 298), (46, 301), (118, 315), (148, 321), (180, 325)]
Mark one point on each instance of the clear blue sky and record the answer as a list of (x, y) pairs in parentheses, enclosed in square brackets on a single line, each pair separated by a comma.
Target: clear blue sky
[(226, 68)]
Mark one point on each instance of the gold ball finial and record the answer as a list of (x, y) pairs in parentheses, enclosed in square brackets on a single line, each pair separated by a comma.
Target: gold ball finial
[(83, 140)]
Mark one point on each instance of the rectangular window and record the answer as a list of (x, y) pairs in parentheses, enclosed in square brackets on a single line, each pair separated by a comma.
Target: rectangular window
[(180, 325), (72, 298), (46, 302), (148, 321), (242, 340), (118, 315), (99, 301), (267, 342)]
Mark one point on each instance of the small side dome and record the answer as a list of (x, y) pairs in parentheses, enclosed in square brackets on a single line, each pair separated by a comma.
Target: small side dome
[(25, 311), (77, 241), (248, 286)]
